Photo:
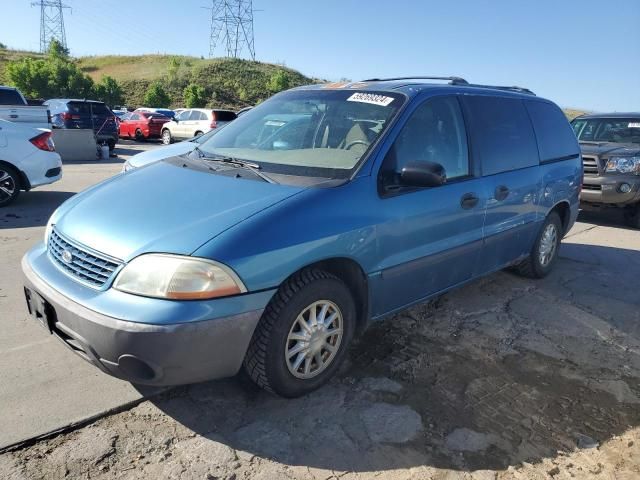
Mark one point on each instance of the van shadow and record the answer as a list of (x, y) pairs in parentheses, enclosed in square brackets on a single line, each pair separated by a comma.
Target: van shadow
[(606, 217), (503, 371), (32, 209)]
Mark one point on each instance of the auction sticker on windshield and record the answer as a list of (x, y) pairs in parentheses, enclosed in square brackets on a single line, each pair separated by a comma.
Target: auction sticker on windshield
[(634, 125), (372, 98)]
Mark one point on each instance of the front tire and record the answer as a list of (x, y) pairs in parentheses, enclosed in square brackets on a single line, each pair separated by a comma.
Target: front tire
[(632, 216), (166, 137), (544, 253), (303, 335), (9, 185)]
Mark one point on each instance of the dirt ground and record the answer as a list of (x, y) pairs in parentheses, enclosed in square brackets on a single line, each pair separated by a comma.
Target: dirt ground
[(504, 378)]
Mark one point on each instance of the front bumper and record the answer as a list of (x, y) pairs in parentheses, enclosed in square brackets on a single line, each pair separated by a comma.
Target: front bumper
[(144, 353), (606, 190)]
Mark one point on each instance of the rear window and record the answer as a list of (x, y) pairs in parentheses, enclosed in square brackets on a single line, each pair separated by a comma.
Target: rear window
[(555, 136), (10, 97), (224, 116), (502, 134), (85, 108)]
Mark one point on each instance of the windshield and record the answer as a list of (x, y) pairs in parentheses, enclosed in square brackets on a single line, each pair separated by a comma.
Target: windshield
[(307, 132), (615, 130)]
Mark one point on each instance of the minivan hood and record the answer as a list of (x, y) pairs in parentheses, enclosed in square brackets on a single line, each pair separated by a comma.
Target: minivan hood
[(610, 148), (163, 208)]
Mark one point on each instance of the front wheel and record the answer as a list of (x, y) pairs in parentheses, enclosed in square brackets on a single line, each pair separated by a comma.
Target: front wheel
[(9, 185), (166, 137), (632, 216), (303, 334), (545, 249)]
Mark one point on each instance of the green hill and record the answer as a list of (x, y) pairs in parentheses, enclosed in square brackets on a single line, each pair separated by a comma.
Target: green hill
[(227, 82)]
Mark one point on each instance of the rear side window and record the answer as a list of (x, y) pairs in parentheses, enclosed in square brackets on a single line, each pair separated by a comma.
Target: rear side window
[(502, 134), (224, 116), (10, 97), (100, 109), (556, 139)]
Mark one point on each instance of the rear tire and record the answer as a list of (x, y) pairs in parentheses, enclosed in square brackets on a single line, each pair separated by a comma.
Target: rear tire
[(167, 139), (9, 185), (632, 216), (139, 136), (544, 252), (198, 133), (303, 335)]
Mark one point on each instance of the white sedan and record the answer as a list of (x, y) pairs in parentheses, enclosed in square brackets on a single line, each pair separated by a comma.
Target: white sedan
[(27, 159)]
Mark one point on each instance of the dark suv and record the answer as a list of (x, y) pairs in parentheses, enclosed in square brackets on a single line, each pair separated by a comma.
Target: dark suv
[(87, 114), (610, 146)]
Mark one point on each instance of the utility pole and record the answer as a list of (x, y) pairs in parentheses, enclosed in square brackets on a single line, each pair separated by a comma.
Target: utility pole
[(51, 22), (232, 26)]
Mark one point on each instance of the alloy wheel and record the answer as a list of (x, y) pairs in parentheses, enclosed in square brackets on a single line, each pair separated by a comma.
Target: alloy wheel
[(314, 339), (7, 186), (548, 245)]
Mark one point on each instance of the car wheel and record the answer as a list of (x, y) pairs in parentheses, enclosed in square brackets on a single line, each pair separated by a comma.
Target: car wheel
[(303, 334), (166, 137), (198, 133), (545, 249), (9, 185), (138, 135), (632, 216)]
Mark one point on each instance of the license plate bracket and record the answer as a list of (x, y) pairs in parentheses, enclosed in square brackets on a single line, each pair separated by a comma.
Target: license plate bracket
[(39, 309)]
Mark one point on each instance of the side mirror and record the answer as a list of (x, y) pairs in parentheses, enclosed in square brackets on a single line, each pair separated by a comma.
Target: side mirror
[(423, 174), (176, 119)]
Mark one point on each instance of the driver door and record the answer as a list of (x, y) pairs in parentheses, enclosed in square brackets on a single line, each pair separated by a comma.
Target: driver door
[(431, 238)]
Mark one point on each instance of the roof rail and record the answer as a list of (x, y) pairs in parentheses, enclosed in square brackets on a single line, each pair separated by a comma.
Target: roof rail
[(455, 81), (452, 80)]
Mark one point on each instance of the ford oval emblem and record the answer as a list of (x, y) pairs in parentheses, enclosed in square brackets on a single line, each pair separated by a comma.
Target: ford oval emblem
[(67, 257)]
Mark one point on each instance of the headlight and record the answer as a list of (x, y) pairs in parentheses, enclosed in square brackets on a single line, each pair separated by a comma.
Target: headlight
[(624, 165), (126, 166), (177, 277)]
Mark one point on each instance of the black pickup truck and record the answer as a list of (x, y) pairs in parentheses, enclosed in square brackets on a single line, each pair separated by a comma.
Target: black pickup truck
[(610, 146)]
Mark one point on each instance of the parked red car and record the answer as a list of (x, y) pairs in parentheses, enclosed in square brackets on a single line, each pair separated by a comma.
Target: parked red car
[(142, 125)]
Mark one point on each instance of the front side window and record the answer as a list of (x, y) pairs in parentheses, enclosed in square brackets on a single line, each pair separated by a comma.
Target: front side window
[(434, 132), (318, 132), (615, 130)]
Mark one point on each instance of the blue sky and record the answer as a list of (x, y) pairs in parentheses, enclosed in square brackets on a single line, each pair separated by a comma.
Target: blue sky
[(579, 53)]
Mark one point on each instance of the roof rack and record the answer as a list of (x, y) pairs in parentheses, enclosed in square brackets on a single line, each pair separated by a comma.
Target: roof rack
[(455, 81), (452, 80)]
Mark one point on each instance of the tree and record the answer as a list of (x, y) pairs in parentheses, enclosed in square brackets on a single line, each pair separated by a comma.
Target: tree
[(109, 91), (56, 50), (279, 81), (194, 96), (2, 45), (156, 96)]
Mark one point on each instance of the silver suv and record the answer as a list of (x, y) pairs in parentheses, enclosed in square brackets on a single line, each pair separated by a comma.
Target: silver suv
[(194, 122)]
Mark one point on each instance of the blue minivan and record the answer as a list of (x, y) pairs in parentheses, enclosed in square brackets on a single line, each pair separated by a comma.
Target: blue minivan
[(280, 238)]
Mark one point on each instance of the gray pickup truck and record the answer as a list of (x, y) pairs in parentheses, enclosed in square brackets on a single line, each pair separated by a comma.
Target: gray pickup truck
[(610, 145), (15, 108)]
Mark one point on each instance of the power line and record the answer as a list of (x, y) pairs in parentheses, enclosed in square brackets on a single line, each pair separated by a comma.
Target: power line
[(232, 26), (51, 23)]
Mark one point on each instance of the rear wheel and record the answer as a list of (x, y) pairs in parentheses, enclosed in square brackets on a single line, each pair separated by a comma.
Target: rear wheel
[(632, 216), (139, 135), (198, 133), (166, 137), (545, 250), (303, 334), (9, 185)]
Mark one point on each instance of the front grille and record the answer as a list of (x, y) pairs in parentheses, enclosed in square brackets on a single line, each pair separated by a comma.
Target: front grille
[(591, 187), (90, 268), (590, 165)]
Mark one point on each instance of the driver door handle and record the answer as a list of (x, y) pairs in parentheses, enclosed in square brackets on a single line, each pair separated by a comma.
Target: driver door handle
[(501, 192), (469, 200)]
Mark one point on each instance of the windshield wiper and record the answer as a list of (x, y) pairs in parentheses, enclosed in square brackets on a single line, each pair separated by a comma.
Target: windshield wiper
[(253, 167)]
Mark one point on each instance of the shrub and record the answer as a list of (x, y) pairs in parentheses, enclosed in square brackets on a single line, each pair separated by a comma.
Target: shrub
[(156, 96), (194, 96)]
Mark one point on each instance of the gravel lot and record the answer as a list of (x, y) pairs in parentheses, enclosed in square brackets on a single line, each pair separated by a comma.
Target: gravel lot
[(504, 378)]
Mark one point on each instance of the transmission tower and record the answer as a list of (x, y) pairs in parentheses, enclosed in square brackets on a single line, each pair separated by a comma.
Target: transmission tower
[(232, 26), (51, 23)]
